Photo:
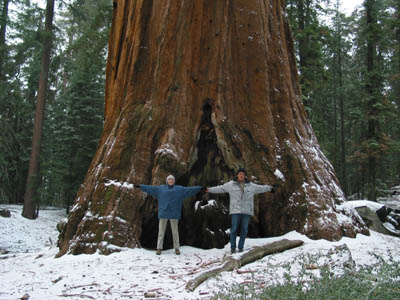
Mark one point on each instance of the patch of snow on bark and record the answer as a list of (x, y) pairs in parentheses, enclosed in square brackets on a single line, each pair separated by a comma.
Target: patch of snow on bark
[(347, 209), (120, 184), (166, 149), (121, 220), (279, 175), (111, 147), (76, 205)]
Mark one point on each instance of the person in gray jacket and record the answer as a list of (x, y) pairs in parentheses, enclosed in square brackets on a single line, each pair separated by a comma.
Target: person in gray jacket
[(241, 207)]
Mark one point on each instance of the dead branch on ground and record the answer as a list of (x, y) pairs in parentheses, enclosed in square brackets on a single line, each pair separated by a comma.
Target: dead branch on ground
[(254, 254), (76, 295)]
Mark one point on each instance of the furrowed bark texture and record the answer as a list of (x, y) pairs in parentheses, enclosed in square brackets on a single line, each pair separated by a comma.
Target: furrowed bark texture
[(198, 89)]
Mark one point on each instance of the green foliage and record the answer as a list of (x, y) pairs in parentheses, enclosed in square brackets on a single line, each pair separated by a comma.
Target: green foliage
[(343, 96), (74, 102), (75, 121), (378, 282), (18, 87), (330, 49), (309, 36), (374, 87)]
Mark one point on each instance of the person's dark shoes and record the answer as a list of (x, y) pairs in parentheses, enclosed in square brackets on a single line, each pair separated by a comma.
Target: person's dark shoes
[(233, 251), (158, 252), (240, 249), (177, 252)]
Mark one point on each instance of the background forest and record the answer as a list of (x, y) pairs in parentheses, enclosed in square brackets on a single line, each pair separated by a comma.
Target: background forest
[(349, 68)]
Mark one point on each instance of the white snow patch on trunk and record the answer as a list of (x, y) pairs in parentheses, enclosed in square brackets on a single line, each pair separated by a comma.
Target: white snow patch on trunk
[(279, 175)]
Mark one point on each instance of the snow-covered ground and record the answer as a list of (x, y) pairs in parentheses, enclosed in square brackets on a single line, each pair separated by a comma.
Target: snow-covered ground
[(18, 234), (31, 268), (392, 202)]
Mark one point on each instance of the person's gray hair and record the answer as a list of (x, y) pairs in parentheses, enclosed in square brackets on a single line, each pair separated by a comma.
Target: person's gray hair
[(168, 177)]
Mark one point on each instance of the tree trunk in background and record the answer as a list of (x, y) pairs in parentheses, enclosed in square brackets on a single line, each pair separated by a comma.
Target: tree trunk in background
[(342, 130), (31, 197), (199, 89), (3, 31), (372, 83), (339, 32)]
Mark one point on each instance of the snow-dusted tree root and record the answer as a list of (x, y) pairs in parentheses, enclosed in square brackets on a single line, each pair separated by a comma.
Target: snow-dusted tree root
[(232, 263)]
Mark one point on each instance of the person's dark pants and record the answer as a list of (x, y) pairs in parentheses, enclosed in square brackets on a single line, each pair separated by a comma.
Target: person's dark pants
[(242, 221)]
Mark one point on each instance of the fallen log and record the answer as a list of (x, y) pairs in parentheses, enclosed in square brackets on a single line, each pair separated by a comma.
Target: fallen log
[(232, 263), (76, 295)]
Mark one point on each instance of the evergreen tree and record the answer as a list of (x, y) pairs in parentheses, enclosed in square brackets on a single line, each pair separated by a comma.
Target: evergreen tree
[(352, 125), (371, 58), (309, 37), (31, 197), (392, 33), (323, 55), (3, 30), (18, 88), (336, 59), (77, 112)]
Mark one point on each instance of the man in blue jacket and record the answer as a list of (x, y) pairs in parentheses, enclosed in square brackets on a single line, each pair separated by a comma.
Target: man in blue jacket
[(170, 198)]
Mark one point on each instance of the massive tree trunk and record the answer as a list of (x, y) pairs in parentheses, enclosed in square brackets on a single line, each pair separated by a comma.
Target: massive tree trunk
[(198, 89)]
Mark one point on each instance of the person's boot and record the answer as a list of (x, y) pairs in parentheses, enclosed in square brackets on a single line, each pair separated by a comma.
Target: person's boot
[(233, 251), (158, 252), (240, 249), (177, 252)]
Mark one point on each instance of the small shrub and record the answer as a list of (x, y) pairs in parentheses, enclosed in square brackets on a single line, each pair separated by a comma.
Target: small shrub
[(377, 282)]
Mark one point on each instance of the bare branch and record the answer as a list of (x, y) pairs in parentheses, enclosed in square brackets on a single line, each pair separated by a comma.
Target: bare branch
[(254, 254)]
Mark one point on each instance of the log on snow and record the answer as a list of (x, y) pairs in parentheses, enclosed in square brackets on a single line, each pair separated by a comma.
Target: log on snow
[(232, 263)]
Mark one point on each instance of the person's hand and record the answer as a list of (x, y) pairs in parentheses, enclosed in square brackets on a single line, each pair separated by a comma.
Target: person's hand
[(204, 189), (275, 187)]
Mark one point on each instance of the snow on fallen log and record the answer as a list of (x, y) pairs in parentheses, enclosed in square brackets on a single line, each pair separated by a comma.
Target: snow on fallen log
[(232, 263)]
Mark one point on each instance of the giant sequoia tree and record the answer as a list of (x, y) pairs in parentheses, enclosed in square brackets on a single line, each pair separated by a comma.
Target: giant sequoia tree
[(198, 89)]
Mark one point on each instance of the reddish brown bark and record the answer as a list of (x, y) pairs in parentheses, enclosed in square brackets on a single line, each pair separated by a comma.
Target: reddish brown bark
[(198, 89), (31, 197)]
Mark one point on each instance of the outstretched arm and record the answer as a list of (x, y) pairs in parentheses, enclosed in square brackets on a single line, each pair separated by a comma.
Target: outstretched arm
[(219, 189), (149, 189), (258, 189)]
